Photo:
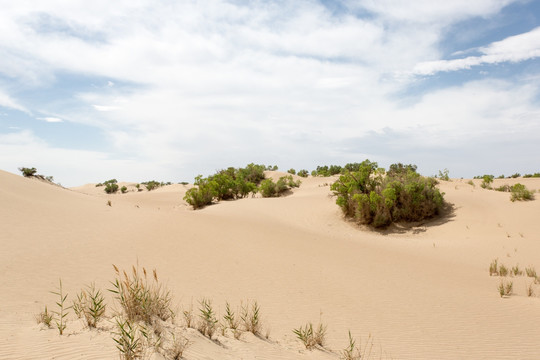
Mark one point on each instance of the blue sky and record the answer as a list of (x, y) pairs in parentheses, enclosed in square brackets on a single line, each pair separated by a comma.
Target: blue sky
[(140, 90)]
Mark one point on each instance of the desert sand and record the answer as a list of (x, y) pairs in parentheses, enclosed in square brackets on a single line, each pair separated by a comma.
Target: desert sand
[(421, 293)]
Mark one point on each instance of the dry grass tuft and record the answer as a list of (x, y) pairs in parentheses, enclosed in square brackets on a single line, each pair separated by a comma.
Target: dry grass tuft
[(45, 317), (505, 288), (141, 298), (309, 337)]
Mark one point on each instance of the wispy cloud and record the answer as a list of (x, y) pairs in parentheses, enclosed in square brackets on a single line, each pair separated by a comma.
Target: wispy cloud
[(512, 49), (50, 119), (8, 102)]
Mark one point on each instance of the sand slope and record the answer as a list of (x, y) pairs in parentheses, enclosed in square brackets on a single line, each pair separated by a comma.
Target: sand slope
[(423, 293)]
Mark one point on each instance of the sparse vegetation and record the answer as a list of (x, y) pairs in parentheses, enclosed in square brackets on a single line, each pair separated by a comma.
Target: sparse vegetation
[(470, 182), (291, 171), (207, 318), (487, 180), (111, 186), (129, 339), (123, 189), (530, 290), (535, 175), (309, 337), (443, 175), (45, 317), (377, 200), (251, 318), (28, 172), (62, 311), (505, 288), (494, 268), (303, 173), (503, 270), (90, 305), (141, 299), (531, 272), (520, 192)]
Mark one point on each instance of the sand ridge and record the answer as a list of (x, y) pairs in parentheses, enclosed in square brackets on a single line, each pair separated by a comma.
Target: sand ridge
[(423, 293)]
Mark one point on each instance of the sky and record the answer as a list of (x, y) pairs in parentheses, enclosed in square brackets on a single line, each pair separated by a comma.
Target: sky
[(165, 90)]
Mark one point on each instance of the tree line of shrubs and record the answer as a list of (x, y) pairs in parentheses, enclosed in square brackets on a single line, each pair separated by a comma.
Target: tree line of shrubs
[(32, 172), (111, 186), (518, 191), (236, 183), (373, 196)]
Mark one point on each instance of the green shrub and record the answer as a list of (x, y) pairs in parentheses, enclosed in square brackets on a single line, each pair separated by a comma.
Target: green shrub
[(486, 181), (111, 186), (152, 185), (516, 175), (377, 200), (27, 172), (123, 189), (535, 175), (443, 175), (303, 173), (268, 188), (520, 192), (291, 171), (503, 188), (200, 196)]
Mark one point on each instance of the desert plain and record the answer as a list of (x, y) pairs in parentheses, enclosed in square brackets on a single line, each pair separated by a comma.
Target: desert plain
[(420, 292)]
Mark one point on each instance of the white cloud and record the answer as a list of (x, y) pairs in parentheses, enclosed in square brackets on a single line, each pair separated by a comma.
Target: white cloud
[(516, 48), (8, 102), (50, 119)]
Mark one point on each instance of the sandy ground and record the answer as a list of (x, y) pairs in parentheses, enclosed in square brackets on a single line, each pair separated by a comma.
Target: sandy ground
[(421, 293)]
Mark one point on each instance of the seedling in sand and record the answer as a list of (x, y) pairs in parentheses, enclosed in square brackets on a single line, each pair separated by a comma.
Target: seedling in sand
[(62, 309), (90, 305), (129, 340), (516, 270), (250, 317), (505, 288), (494, 268), (503, 270), (309, 337), (208, 321), (45, 317)]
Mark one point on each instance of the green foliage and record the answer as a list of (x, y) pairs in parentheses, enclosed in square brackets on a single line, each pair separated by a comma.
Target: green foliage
[(268, 188), (520, 192), (443, 175), (503, 188), (302, 173), (516, 175), (251, 318), (45, 317), (309, 337), (62, 312), (111, 186), (486, 181), (272, 168), (27, 172), (291, 171), (377, 200), (225, 185), (152, 184), (535, 175), (123, 189), (400, 170), (129, 339), (327, 170), (90, 305), (208, 321)]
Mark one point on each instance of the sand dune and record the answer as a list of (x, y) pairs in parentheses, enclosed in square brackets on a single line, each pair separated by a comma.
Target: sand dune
[(422, 293)]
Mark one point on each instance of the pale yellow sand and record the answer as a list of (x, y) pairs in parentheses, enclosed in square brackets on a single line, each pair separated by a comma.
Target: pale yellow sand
[(423, 294)]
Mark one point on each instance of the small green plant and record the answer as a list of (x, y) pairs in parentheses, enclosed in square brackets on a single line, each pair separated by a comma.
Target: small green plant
[(250, 317), (291, 171), (521, 193), (530, 271), (309, 337), (45, 317), (530, 290), (207, 318), (188, 316), (505, 288), (470, 182), (28, 172), (503, 270), (351, 352), (90, 305), (62, 311), (123, 189), (516, 271), (494, 268), (129, 339)]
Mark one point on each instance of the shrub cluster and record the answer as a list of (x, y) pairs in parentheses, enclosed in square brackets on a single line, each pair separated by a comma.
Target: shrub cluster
[(268, 188), (111, 186), (520, 192), (303, 173), (226, 184), (152, 184), (535, 175), (378, 198), (28, 172)]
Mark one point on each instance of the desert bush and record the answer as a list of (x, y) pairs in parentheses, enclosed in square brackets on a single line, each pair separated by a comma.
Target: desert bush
[(291, 171), (516, 175), (486, 181), (141, 299), (373, 199), (111, 186), (268, 188), (443, 175), (516, 271), (28, 172), (535, 175), (152, 184), (503, 270), (303, 173), (272, 168), (503, 188), (520, 192), (123, 189), (202, 195), (90, 305)]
